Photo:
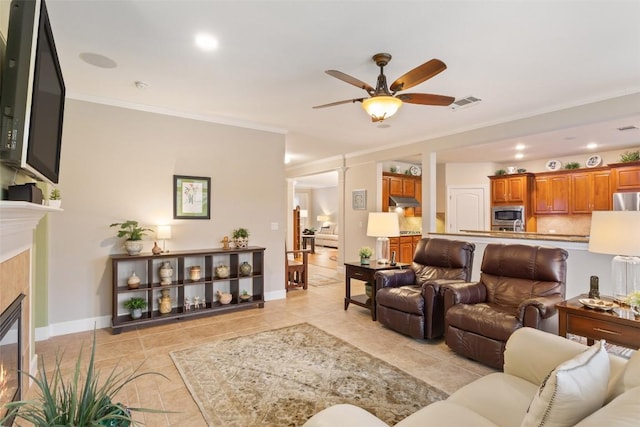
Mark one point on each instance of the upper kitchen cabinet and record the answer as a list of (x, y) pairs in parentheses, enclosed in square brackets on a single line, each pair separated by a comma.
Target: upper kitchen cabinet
[(625, 176), (401, 186), (590, 191), (551, 193), (510, 189)]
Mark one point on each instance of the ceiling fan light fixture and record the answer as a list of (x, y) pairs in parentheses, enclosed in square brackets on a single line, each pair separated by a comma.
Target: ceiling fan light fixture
[(381, 107)]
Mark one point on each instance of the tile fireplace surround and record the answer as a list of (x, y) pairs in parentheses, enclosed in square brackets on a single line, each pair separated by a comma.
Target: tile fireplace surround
[(18, 221)]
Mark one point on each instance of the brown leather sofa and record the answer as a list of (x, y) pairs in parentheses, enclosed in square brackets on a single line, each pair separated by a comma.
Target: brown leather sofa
[(409, 301), (519, 286)]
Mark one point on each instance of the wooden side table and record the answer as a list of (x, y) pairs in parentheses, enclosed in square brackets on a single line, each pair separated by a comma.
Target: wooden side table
[(309, 238), (619, 326), (365, 273)]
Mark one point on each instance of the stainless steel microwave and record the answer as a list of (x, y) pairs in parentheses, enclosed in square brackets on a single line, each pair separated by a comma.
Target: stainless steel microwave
[(506, 215)]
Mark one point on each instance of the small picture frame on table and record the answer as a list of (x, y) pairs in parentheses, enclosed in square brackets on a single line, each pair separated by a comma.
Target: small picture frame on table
[(359, 200), (191, 197)]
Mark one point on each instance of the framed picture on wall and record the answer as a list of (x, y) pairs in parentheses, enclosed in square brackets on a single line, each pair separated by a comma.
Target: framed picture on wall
[(359, 200), (191, 197)]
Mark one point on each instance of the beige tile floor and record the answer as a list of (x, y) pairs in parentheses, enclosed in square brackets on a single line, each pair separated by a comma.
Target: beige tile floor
[(320, 306)]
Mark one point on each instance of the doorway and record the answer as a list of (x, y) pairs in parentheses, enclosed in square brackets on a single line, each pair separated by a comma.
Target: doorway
[(467, 208)]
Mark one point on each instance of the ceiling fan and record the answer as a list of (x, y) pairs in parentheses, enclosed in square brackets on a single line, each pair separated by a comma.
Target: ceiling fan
[(383, 101)]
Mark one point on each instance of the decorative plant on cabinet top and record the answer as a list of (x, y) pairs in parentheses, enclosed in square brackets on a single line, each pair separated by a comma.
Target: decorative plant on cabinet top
[(133, 234)]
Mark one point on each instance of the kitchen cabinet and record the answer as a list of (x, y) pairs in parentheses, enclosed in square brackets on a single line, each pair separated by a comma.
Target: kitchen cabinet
[(625, 176), (401, 186), (385, 193), (417, 211), (184, 286), (590, 191), (396, 186), (551, 194), (405, 247), (509, 189)]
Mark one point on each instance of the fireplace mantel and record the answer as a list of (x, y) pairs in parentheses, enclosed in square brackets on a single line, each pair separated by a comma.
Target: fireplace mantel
[(18, 220)]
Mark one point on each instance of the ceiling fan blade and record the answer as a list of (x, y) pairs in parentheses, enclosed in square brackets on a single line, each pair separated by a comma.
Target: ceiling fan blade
[(339, 102), (351, 80), (425, 99), (418, 75)]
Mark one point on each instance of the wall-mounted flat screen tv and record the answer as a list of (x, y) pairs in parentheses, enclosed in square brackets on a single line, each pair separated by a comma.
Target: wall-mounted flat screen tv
[(32, 96)]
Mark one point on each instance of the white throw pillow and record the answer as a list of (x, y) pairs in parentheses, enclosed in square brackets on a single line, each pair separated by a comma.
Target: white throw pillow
[(572, 391)]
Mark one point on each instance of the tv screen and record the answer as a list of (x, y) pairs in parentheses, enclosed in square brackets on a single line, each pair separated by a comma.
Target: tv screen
[(33, 90)]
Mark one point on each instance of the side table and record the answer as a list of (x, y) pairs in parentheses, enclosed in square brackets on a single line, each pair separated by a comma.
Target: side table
[(365, 273), (619, 326), (309, 238)]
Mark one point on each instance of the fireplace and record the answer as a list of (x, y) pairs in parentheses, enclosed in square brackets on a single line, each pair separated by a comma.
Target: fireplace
[(10, 353)]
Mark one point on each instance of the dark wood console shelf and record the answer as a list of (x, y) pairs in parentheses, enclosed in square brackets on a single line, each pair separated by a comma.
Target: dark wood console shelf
[(147, 266)]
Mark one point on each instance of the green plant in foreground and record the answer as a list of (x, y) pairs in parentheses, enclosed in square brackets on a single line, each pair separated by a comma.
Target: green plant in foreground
[(572, 165), (135, 302), (82, 400), (240, 232), (630, 156), (365, 252), (130, 229)]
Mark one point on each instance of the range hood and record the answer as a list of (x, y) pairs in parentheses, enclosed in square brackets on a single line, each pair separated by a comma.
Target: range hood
[(403, 202)]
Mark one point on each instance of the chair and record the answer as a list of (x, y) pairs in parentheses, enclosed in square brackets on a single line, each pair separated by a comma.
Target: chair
[(297, 272), (519, 286), (409, 301)]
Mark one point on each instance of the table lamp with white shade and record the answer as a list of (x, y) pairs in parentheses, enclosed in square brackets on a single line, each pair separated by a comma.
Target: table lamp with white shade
[(163, 233), (618, 233), (383, 225), (322, 219)]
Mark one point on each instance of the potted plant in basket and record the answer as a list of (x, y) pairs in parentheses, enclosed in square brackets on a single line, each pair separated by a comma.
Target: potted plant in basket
[(135, 305), (240, 237), (133, 233), (365, 253), (78, 399), (55, 200)]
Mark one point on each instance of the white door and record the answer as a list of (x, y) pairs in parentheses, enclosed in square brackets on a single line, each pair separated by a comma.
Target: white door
[(467, 208)]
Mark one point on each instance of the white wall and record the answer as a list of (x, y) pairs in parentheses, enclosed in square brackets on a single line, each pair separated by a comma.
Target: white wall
[(324, 201), (118, 164)]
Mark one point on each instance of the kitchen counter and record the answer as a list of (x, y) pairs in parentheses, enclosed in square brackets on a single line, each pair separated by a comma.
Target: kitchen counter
[(524, 235)]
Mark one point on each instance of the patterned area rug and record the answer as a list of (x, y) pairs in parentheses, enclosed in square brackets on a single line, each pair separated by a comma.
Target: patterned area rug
[(283, 377), (321, 280)]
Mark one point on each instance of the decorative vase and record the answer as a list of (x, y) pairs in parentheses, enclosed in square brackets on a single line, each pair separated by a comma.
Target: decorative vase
[(194, 273), (222, 271), (364, 260), (224, 298), (241, 242), (156, 250), (245, 269), (245, 297), (164, 302), (166, 273), (368, 289), (136, 313), (134, 281), (133, 247)]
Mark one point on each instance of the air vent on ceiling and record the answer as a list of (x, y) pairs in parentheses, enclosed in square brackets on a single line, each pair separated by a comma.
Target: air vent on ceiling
[(464, 102), (624, 128)]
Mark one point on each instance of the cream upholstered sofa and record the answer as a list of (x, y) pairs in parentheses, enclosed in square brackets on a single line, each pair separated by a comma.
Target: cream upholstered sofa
[(547, 381), (328, 236)]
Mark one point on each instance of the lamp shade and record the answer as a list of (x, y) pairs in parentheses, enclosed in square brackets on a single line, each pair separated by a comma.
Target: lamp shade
[(382, 106), (164, 232), (323, 218), (383, 224), (615, 233)]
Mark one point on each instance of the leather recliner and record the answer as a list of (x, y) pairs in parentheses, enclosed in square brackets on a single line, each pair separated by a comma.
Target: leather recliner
[(409, 301), (519, 286)]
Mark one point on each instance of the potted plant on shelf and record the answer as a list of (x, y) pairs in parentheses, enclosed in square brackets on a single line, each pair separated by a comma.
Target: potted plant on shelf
[(572, 165), (133, 233), (240, 237), (55, 200), (135, 305), (365, 253), (80, 398)]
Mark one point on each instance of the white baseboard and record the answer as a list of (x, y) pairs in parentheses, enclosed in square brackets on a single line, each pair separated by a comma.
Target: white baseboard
[(64, 328), (274, 295)]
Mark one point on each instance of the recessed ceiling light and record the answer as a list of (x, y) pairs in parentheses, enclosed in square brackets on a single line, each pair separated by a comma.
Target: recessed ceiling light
[(520, 147), (592, 145), (98, 60), (519, 156), (206, 42)]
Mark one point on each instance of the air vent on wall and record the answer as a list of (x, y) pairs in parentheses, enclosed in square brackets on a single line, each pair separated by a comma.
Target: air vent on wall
[(624, 128), (464, 102)]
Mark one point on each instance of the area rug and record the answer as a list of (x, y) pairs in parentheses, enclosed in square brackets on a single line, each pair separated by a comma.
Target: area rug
[(284, 376), (321, 280)]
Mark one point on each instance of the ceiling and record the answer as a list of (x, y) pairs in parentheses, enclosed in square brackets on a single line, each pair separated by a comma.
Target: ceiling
[(521, 58)]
